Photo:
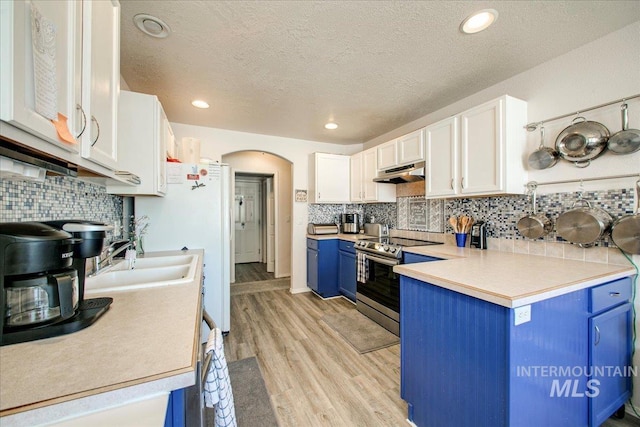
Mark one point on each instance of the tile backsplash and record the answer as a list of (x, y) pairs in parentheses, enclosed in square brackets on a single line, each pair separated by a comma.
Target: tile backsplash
[(58, 198), (415, 213), (384, 213)]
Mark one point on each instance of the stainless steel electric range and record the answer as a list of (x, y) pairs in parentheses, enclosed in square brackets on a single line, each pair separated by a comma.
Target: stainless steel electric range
[(378, 287)]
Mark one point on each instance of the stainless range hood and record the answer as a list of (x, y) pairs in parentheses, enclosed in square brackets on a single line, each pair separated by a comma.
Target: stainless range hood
[(408, 173)]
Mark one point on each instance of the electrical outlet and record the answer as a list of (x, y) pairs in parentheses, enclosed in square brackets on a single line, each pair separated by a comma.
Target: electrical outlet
[(522, 315)]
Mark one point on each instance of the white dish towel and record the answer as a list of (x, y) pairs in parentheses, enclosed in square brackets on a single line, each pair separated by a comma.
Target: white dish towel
[(217, 387), (362, 268)]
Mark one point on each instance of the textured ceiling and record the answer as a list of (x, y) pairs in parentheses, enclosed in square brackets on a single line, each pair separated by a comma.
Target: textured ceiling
[(287, 67)]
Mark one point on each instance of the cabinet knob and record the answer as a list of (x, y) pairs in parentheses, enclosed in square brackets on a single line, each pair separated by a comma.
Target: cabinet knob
[(93, 120)]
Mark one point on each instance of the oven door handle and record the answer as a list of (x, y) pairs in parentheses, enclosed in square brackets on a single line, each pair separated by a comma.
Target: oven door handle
[(390, 263)]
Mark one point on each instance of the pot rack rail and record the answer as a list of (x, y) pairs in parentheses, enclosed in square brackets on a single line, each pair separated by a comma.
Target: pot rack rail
[(581, 180), (534, 125)]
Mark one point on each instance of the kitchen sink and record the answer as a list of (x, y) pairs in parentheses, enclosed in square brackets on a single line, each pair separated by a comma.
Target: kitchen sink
[(154, 262), (148, 273)]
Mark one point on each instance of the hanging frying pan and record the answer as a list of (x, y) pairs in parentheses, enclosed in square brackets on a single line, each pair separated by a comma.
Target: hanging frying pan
[(626, 141), (534, 225), (626, 230), (543, 157)]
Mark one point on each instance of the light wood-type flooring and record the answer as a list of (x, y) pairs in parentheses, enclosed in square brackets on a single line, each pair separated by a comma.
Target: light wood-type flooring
[(252, 272), (313, 376)]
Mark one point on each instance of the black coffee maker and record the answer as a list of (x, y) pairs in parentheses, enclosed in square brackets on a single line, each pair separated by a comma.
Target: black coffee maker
[(89, 241), (39, 288)]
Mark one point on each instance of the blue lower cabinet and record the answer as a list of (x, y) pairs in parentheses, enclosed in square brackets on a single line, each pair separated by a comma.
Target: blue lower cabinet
[(464, 361), (609, 392), (176, 411), (347, 269), (322, 267)]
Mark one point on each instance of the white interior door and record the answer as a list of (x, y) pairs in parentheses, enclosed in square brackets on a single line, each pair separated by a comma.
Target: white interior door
[(248, 239)]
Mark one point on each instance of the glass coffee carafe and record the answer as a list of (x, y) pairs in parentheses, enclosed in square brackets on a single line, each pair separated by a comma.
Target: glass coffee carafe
[(40, 298)]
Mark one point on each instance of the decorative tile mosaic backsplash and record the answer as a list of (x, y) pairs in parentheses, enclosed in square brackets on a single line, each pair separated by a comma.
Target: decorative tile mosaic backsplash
[(57, 198), (500, 213), (384, 213)]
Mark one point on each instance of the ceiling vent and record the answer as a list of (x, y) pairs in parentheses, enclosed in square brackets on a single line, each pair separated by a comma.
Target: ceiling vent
[(152, 26)]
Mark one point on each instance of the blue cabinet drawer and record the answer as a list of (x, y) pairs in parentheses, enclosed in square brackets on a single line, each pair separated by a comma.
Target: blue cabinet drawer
[(347, 246), (312, 244), (609, 295)]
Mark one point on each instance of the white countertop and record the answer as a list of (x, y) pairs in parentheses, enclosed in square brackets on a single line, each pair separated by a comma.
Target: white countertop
[(341, 236), (507, 279), (147, 342)]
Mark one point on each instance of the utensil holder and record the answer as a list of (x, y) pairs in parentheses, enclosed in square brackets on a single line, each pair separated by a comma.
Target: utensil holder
[(461, 240)]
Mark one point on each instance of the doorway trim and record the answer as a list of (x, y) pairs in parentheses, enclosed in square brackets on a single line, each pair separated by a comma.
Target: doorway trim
[(276, 196)]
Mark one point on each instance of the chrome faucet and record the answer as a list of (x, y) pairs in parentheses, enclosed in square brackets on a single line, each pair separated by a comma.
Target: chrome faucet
[(105, 259)]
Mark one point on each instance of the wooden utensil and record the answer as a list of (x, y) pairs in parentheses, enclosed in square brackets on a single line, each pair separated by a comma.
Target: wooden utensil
[(454, 223), (464, 220)]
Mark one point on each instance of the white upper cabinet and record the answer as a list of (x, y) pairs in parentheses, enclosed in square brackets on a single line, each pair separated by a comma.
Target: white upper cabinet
[(387, 155), (441, 166), (363, 170), (411, 148), (355, 180), (144, 133), (485, 158), (101, 81), (329, 178), (403, 151), (74, 73), (58, 58)]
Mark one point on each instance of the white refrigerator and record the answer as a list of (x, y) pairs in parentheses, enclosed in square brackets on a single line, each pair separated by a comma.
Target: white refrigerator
[(195, 213)]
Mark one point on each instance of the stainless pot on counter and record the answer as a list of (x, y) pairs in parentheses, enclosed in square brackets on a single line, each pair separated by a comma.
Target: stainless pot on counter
[(583, 225)]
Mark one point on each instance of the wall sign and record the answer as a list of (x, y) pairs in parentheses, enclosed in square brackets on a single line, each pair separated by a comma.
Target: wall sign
[(301, 195)]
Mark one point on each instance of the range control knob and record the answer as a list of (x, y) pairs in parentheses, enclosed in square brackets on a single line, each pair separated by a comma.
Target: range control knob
[(393, 250), (385, 248)]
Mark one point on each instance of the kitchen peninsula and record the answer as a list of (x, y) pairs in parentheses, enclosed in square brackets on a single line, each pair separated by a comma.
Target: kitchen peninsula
[(142, 348), (475, 324)]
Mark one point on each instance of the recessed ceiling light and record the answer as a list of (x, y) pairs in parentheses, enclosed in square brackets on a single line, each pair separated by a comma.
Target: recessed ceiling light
[(479, 21), (331, 126), (152, 26), (199, 103)]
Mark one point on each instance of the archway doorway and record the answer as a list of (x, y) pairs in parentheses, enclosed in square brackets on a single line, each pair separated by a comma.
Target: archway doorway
[(263, 201)]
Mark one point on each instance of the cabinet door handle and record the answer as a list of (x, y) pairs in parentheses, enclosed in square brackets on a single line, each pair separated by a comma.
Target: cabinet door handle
[(84, 120), (614, 294), (462, 182), (93, 120), (452, 183), (597, 336), (318, 196)]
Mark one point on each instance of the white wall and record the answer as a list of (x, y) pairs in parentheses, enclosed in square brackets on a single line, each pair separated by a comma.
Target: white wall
[(214, 143), (604, 70), (260, 163), (599, 72)]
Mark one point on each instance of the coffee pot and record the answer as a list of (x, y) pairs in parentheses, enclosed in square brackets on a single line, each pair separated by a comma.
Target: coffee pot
[(37, 282), (40, 293)]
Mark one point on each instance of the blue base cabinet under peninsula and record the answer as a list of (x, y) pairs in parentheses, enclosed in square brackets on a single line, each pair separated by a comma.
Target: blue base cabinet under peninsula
[(322, 267), (466, 361)]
